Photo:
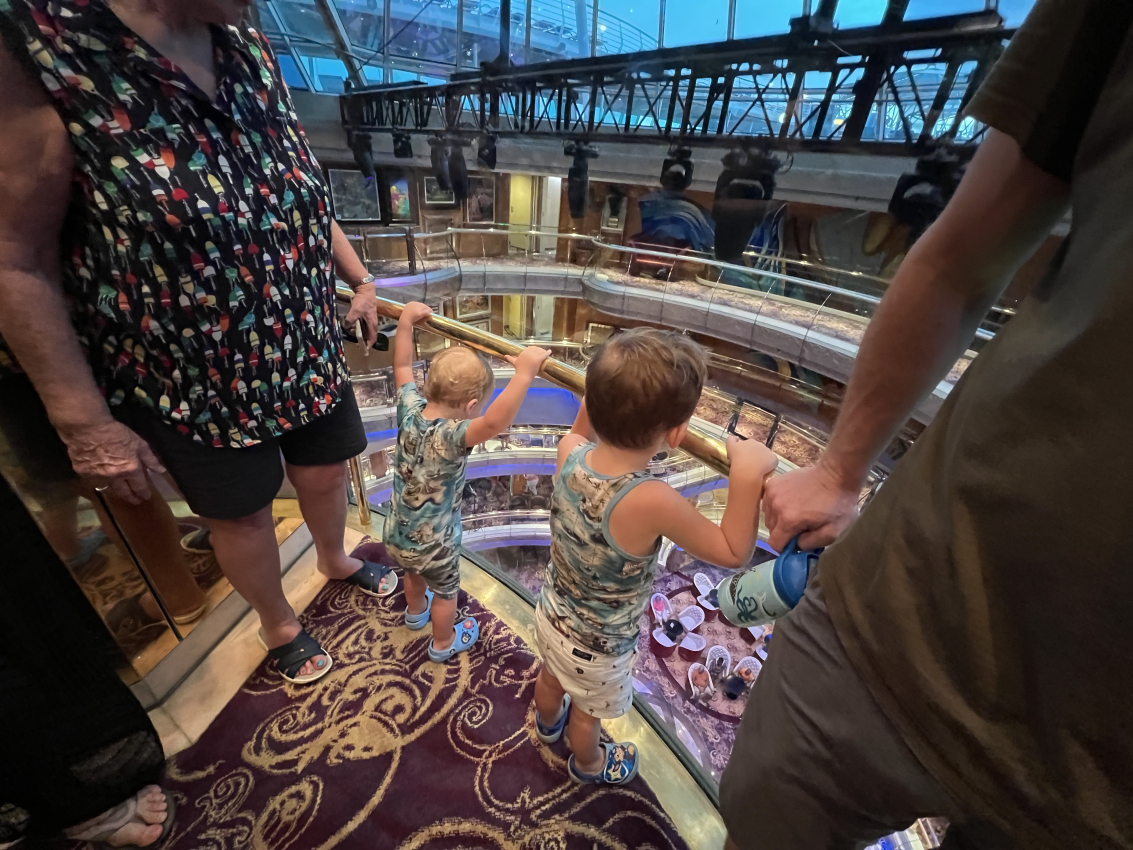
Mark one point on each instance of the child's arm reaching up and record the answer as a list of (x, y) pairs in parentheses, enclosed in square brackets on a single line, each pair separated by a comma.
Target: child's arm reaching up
[(411, 314), (655, 509), (580, 433), (503, 411)]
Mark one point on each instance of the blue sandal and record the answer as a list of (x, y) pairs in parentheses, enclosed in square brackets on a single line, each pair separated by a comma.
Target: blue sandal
[(419, 621), (290, 658), (550, 734), (374, 579), (467, 631), (620, 767)]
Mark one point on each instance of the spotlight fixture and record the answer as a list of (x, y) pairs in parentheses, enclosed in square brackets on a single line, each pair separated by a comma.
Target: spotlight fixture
[(676, 171), (486, 150), (439, 157), (747, 181), (921, 196), (363, 154), (402, 145), (458, 171), (578, 177)]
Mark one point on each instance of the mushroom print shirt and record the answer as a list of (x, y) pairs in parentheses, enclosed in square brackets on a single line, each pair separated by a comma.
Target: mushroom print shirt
[(196, 253)]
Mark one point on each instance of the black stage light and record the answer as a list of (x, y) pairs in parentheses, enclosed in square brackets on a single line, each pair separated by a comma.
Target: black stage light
[(578, 177), (921, 196), (363, 154), (402, 145), (676, 170), (745, 184), (486, 150), (458, 172), (439, 158)]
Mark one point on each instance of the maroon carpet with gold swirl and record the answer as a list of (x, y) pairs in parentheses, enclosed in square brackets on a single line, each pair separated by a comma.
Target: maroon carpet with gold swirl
[(390, 750)]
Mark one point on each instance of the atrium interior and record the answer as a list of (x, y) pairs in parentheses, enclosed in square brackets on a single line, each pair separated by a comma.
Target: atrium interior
[(551, 173)]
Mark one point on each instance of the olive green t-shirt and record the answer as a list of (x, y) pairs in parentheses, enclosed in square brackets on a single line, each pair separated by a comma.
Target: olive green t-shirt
[(986, 593)]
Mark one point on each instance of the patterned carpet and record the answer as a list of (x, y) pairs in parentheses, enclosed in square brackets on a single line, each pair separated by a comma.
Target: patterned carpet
[(390, 750)]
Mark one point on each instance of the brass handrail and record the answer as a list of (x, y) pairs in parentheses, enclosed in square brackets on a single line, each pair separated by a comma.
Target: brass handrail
[(703, 446)]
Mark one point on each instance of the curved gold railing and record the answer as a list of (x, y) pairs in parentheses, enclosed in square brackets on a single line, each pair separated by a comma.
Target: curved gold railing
[(703, 446)]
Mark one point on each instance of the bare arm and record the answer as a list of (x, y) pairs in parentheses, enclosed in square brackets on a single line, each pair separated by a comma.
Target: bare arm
[(503, 411), (35, 190), (1004, 208), (364, 305), (581, 433), (655, 509), (412, 313)]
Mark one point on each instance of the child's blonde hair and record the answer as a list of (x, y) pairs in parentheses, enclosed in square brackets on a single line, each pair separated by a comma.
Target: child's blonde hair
[(457, 376)]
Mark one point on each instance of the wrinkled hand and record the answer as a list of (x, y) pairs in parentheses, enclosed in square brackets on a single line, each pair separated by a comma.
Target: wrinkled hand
[(414, 312), (750, 458), (364, 308), (111, 455), (529, 361), (811, 503)]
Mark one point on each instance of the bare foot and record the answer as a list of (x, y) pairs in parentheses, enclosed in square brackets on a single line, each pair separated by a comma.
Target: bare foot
[(280, 635), (143, 831), (340, 567)]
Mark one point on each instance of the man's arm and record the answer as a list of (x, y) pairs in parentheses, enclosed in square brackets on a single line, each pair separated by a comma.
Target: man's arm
[(364, 305), (1003, 209), (35, 190)]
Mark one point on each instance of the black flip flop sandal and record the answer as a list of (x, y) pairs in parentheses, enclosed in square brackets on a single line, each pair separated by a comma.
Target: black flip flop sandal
[(370, 578), (291, 657)]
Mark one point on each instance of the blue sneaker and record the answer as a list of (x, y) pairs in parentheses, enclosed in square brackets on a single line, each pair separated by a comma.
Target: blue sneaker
[(620, 767), (419, 621), (550, 734), (467, 631)]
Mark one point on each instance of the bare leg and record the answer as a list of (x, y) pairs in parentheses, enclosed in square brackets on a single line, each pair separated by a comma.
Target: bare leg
[(730, 845), (444, 618), (152, 532), (322, 499), (548, 697), (415, 600), (585, 732), (248, 554)]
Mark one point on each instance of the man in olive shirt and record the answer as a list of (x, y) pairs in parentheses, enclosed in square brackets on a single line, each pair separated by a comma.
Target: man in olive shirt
[(965, 650)]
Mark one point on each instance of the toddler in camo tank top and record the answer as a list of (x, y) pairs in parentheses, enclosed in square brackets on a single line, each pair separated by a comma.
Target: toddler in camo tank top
[(608, 515)]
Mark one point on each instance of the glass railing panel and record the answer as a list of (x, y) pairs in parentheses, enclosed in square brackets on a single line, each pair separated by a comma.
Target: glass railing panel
[(800, 446)]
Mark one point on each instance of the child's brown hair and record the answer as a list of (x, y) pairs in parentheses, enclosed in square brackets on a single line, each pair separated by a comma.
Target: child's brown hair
[(642, 383)]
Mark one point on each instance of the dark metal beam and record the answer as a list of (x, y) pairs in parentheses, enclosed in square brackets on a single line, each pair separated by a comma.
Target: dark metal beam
[(721, 94)]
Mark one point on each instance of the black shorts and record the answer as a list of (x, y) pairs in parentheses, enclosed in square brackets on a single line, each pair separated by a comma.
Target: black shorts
[(229, 483)]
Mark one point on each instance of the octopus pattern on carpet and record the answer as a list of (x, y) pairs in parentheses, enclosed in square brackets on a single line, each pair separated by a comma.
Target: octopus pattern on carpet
[(390, 750)]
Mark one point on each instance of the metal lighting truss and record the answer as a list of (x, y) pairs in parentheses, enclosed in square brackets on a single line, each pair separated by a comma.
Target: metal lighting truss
[(899, 87)]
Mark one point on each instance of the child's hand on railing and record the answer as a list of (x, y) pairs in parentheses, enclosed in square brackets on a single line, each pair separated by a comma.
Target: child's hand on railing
[(414, 312), (529, 361)]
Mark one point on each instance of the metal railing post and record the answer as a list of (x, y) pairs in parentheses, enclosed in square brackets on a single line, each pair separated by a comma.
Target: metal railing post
[(358, 484)]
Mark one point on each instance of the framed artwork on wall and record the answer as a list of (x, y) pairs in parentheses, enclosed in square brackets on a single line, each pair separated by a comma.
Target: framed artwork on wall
[(355, 198), (399, 199), (481, 203), (472, 307), (435, 196)]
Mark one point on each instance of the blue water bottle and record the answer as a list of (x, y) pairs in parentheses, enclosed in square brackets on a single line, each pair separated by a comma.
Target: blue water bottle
[(768, 591)]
